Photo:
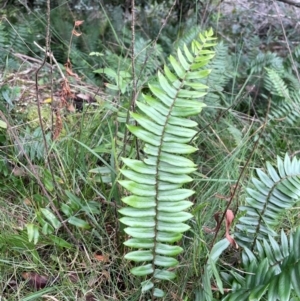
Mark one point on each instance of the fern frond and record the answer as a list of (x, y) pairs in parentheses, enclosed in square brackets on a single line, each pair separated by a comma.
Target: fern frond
[(273, 270), (155, 216), (273, 193), (276, 84)]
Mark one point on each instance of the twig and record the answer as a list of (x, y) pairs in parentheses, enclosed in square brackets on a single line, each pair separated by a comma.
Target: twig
[(52, 57)]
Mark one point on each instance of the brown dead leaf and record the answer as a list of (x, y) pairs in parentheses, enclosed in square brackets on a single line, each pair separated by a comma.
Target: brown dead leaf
[(71, 108), (78, 23), (71, 73), (102, 258), (19, 171), (90, 297), (229, 217), (27, 202), (35, 280), (73, 277), (76, 33)]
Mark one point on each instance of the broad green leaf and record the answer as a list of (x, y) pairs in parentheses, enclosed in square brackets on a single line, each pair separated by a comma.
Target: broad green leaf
[(137, 212), (152, 112), (164, 275), (33, 233), (135, 176), (3, 124), (158, 293), (78, 222), (284, 244), (139, 189), (142, 270), (188, 54), (139, 256), (144, 135), (218, 249), (174, 216), (258, 292), (139, 166), (163, 107), (51, 218), (168, 237), (176, 206), (66, 209), (180, 131), (174, 195), (139, 202), (138, 221), (295, 276), (164, 249), (147, 285), (139, 243), (144, 233), (172, 77), (198, 74), (284, 285), (147, 124), (172, 227), (179, 148), (60, 242), (182, 60), (164, 261), (178, 69), (273, 173), (165, 85)]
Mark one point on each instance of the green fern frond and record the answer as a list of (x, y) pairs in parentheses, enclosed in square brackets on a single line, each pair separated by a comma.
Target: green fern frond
[(273, 193), (276, 85), (273, 271), (155, 216)]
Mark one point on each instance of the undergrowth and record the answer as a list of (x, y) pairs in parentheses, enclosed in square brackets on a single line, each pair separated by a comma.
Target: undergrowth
[(61, 238)]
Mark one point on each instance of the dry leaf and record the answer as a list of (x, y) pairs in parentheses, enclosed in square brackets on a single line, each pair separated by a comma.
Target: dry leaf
[(102, 258), (229, 217), (90, 297), (71, 108), (73, 277), (78, 23), (71, 73), (35, 280), (27, 202), (76, 33)]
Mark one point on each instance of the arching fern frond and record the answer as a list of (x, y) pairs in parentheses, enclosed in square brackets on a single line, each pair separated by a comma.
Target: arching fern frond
[(273, 193), (155, 216), (271, 273), (276, 85)]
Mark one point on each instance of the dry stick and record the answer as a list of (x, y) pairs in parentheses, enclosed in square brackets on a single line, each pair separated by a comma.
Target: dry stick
[(240, 176), (52, 57), (53, 207)]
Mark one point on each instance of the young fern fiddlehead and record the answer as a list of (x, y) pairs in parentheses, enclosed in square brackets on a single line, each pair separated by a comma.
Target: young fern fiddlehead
[(155, 216)]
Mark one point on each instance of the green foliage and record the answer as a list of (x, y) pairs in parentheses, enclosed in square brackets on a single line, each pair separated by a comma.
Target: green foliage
[(273, 193), (272, 271), (154, 216)]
